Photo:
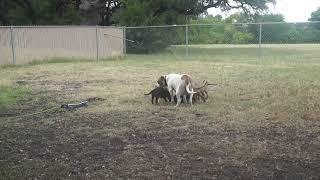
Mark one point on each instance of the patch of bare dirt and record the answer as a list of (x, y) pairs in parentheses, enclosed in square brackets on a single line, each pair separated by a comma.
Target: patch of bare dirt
[(139, 145)]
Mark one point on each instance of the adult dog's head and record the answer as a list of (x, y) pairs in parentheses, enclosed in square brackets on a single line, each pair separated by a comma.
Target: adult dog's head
[(162, 81)]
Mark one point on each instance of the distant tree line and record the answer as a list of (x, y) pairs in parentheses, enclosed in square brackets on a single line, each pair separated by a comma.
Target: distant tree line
[(232, 31)]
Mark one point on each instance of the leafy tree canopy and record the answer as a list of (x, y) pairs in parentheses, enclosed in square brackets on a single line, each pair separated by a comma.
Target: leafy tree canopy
[(315, 16), (146, 12), (39, 12), (109, 12)]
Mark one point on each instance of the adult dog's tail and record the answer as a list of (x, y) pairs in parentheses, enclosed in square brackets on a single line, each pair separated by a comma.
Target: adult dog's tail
[(188, 89), (187, 79), (208, 84)]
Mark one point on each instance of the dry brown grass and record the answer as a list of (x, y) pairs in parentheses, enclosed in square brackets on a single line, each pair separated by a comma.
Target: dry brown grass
[(261, 121)]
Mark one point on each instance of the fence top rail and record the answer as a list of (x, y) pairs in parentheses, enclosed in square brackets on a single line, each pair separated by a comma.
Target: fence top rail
[(257, 23), (262, 23), (306, 22), (159, 26)]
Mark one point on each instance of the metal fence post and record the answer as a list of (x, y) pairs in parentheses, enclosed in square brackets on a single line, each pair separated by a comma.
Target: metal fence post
[(12, 45), (124, 43), (187, 41), (97, 43), (260, 38)]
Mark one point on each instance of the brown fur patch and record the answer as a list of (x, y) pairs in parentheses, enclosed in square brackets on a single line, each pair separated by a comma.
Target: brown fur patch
[(186, 78)]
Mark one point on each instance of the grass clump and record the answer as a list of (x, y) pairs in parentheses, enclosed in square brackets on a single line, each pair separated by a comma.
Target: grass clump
[(10, 95)]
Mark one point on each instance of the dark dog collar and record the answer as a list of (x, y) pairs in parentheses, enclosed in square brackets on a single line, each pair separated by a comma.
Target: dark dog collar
[(165, 80)]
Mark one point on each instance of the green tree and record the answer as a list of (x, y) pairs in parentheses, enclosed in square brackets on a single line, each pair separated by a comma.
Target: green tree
[(162, 12), (271, 33), (156, 12), (217, 31), (38, 12), (315, 16), (239, 18), (98, 12)]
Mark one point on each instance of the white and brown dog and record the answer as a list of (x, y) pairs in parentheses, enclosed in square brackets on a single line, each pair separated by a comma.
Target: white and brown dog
[(180, 83)]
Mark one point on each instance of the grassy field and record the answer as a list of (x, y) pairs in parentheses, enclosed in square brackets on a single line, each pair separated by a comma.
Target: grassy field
[(262, 121)]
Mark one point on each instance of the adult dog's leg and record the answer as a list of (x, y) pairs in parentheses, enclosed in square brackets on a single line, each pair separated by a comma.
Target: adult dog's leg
[(190, 99), (185, 99), (178, 100), (178, 95), (171, 94)]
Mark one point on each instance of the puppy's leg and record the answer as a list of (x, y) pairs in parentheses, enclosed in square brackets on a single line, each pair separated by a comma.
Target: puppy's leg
[(194, 98), (157, 100), (205, 94), (202, 97), (171, 94), (175, 99), (152, 97)]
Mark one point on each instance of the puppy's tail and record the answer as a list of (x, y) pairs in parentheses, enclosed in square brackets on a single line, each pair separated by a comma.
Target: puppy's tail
[(188, 90), (209, 84), (148, 93)]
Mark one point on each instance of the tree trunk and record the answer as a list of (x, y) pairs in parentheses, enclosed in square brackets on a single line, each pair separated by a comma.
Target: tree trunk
[(90, 11)]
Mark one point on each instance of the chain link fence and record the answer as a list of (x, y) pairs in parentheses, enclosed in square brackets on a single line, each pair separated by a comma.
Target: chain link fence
[(23, 44), (220, 41)]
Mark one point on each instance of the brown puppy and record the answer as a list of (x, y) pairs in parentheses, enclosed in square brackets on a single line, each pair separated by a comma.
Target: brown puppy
[(202, 92), (159, 92)]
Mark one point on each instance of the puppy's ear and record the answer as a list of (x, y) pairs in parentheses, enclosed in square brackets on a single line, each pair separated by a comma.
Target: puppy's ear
[(206, 82), (160, 80), (165, 80)]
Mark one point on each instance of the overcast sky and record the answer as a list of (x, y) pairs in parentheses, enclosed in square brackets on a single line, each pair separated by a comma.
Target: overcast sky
[(293, 10)]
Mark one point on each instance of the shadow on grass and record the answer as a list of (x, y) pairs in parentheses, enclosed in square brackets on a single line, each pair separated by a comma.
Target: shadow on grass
[(61, 60)]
